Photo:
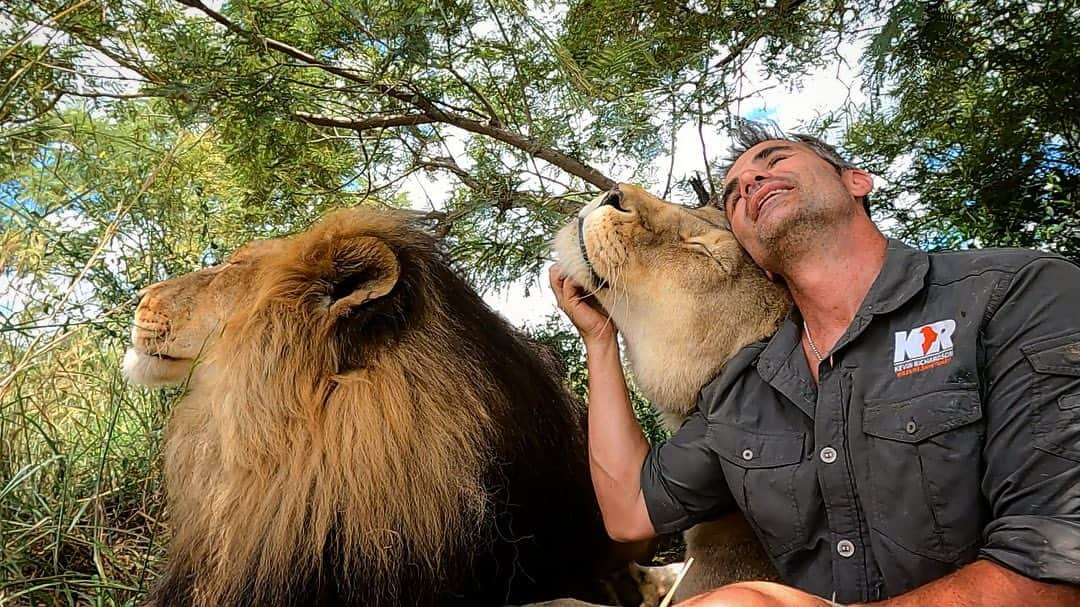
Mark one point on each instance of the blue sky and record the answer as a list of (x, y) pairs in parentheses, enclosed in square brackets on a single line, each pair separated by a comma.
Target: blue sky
[(761, 114)]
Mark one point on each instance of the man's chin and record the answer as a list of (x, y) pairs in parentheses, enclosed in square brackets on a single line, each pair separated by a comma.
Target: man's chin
[(786, 236)]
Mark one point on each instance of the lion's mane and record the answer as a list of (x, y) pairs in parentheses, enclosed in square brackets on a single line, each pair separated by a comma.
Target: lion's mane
[(365, 430)]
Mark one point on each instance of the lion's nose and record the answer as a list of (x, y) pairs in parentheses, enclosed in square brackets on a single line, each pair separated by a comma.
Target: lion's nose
[(613, 198)]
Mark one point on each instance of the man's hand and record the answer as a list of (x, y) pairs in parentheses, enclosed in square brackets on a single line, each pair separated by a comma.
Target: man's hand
[(979, 584), (591, 319), (755, 594)]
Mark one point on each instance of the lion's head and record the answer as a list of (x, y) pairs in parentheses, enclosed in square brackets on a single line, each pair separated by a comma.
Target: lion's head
[(361, 426), (177, 318), (684, 294)]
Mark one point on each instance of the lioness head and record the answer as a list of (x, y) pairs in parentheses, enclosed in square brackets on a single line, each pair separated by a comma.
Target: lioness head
[(683, 293)]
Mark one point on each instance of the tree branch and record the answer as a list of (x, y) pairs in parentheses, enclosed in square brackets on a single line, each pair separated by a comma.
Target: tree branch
[(382, 122), (751, 39), (425, 105), (494, 116), (703, 196), (448, 164), (505, 200)]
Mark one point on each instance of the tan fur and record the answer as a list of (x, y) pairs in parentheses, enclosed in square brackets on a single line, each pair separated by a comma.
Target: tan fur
[(686, 298), (319, 422)]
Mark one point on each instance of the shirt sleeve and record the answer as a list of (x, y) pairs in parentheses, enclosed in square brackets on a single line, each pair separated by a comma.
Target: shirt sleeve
[(1031, 383), (682, 480)]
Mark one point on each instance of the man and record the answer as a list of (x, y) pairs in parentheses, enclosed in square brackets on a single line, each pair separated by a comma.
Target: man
[(910, 435)]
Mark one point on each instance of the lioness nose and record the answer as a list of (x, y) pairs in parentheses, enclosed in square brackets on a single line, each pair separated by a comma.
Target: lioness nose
[(613, 198)]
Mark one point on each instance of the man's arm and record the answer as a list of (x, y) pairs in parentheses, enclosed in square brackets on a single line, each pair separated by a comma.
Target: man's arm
[(617, 448), (987, 584), (980, 584)]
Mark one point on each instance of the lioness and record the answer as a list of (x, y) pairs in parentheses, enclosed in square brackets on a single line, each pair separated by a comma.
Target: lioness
[(686, 298)]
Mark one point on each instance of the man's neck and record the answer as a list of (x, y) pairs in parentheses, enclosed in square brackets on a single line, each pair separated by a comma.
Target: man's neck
[(830, 280)]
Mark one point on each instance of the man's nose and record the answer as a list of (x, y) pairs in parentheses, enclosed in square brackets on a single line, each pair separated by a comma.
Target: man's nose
[(750, 180)]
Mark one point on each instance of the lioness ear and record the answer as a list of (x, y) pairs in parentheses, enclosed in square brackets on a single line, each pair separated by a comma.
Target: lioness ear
[(721, 246), (365, 270)]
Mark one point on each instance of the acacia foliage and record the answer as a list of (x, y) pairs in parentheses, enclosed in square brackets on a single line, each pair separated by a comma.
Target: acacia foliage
[(330, 102), (976, 123), (971, 113)]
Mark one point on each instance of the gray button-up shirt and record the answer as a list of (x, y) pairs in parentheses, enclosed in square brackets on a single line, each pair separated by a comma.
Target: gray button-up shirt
[(945, 427)]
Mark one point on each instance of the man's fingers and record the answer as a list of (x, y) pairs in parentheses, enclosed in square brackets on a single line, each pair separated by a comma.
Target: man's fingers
[(555, 274), (558, 285), (555, 277), (564, 286), (572, 289)]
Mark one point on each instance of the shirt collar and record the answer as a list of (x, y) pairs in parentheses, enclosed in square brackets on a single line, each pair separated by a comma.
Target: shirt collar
[(902, 276)]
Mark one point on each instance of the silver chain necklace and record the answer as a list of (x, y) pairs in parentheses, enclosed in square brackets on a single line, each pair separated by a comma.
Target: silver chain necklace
[(810, 340)]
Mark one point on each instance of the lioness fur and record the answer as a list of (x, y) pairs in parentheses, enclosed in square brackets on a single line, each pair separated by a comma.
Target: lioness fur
[(686, 298), (359, 428)]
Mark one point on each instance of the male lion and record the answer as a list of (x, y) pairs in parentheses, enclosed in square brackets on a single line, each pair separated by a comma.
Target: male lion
[(686, 298), (360, 428)]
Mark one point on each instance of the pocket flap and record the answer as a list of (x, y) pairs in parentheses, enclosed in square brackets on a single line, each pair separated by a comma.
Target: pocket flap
[(917, 419), (1060, 355), (748, 449)]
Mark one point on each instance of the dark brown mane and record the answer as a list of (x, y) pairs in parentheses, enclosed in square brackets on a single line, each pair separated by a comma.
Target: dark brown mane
[(411, 449)]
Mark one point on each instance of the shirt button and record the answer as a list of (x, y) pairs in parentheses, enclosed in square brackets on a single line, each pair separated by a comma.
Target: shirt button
[(747, 454), (828, 455), (845, 548), (911, 427)]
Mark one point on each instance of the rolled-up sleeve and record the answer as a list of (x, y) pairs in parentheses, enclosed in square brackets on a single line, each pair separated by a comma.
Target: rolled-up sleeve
[(682, 481), (1031, 383)]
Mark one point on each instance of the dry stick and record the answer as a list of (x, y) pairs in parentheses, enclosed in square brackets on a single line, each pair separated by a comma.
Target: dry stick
[(37, 28), (675, 584)]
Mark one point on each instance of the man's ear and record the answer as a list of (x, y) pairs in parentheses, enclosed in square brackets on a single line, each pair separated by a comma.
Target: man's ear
[(858, 182), (365, 269)]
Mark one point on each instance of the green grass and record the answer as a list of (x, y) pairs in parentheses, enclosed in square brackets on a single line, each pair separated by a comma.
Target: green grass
[(81, 500)]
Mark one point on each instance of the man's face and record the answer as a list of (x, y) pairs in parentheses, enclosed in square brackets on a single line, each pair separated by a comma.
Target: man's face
[(779, 195)]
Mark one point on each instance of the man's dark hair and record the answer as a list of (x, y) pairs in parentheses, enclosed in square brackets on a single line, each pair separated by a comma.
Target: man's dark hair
[(747, 133)]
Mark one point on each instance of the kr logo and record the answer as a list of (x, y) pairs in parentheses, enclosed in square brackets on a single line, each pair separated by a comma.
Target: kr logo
[(923, 347)]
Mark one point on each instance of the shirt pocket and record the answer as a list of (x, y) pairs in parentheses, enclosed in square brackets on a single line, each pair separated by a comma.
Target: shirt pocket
[(763, 472), (1056, 394), (924, 461)]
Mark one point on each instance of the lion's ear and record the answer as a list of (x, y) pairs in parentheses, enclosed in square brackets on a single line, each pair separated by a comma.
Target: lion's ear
[(720, 245), (365, 270)]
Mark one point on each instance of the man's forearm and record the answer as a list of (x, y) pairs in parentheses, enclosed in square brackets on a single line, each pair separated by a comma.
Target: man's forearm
[(617, 447), (980, 584), (987, 584)]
